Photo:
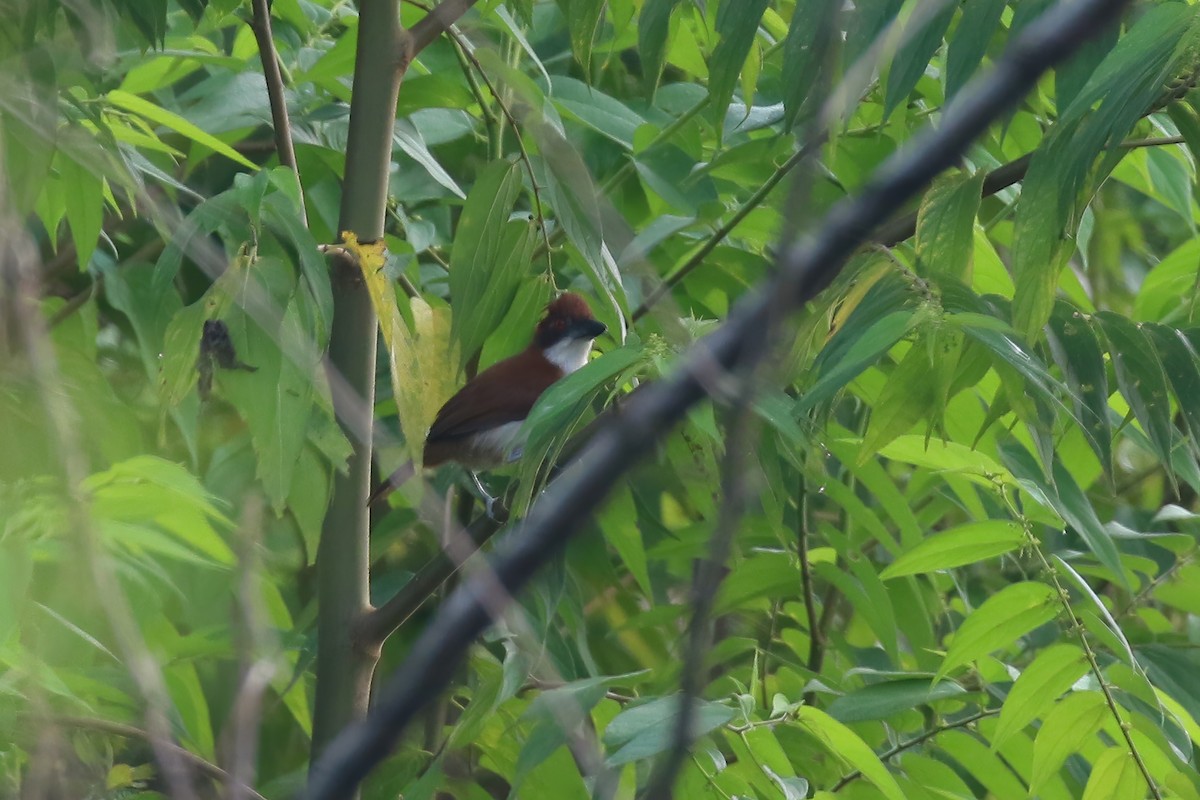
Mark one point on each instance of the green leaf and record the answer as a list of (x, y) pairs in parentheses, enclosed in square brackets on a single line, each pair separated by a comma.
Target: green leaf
[(648, 729), (1176, 276), (976, 26), (490, 257), (946, 226), (910, 393), (737, 24), (866, 25), (1141, 379), (1003, 618), (882, 700), (1067, 499), (564, 400), (804, 52), (583, 22), (409, 139), (947, 456), (653, 25), (984, 766), (168, 119), (84, 198), (1182, 366), (1062, 172), (1115, 776), (571, 193), (1077, 351), (846, 745), (16, 574), (601, 112), (1053, 672), (1069, 724), (965, 544), (862, 346), (619, 521), (909, 63)]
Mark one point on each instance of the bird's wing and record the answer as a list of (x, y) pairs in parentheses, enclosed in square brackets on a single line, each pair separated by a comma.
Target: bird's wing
[(493, 397)]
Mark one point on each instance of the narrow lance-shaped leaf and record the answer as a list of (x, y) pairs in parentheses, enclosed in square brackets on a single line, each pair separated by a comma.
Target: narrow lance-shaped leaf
[(946, 226), (1002, 619), (653, 24), (805, 51), (483, 274), (737, 23), (1063, 495), (1182, 366), (978, 23), (846, 745), (1141, 379), (1067, 726), (909, 63), (1077, 350), (583, 20), (1062, 171), (966, 544), (882, 700), (1053, 672)]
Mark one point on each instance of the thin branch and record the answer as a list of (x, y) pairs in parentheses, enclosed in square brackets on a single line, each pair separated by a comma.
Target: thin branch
[(804, 270), (273, 76), (202, 765), (891, 234), (916, 740), (705, 250), (437, 22), (377, 625)]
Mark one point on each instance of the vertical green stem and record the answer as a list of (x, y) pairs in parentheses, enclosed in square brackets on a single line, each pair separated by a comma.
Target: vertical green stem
[(345, 663)]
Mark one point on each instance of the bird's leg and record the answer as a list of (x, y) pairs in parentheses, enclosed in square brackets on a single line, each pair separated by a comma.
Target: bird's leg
[(488, 500)]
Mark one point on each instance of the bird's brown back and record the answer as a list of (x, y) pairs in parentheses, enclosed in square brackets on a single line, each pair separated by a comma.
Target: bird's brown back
[(465, 414)]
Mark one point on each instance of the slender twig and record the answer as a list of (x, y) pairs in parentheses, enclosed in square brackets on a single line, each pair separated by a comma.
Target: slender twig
[(273, 76), (705, 250), (1077, 628), (816, 636), (202, 765), (916, 740), (803, 271)]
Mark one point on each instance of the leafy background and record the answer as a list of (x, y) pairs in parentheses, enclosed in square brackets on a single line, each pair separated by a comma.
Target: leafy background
[(968, 567)]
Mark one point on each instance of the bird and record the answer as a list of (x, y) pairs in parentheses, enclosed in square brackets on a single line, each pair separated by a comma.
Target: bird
[(478, 426)]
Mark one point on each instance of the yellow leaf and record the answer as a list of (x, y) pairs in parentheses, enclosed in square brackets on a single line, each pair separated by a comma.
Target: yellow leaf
[(423, 362)]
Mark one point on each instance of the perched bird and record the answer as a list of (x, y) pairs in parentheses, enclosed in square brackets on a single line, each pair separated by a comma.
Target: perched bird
[(478, 426)]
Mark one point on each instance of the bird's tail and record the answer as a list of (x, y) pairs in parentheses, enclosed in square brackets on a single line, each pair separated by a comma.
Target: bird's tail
[(394, 481)]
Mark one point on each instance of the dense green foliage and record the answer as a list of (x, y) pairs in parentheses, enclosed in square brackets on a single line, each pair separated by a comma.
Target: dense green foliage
[(967, 565)]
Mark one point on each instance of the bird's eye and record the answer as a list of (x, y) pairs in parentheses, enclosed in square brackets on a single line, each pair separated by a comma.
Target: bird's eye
[(558, 324)]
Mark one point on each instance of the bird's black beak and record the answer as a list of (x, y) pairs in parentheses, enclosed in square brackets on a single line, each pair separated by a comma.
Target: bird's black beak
[(588, 328)]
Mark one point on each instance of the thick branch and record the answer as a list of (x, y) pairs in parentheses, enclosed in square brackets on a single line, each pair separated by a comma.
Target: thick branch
[(804, 270), (437, 22)]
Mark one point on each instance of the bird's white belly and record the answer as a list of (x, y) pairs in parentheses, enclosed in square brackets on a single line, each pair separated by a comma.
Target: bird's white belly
[(492, 448)]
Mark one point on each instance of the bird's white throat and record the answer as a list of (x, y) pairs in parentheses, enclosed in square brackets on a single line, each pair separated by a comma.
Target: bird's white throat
[(569, 354)]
